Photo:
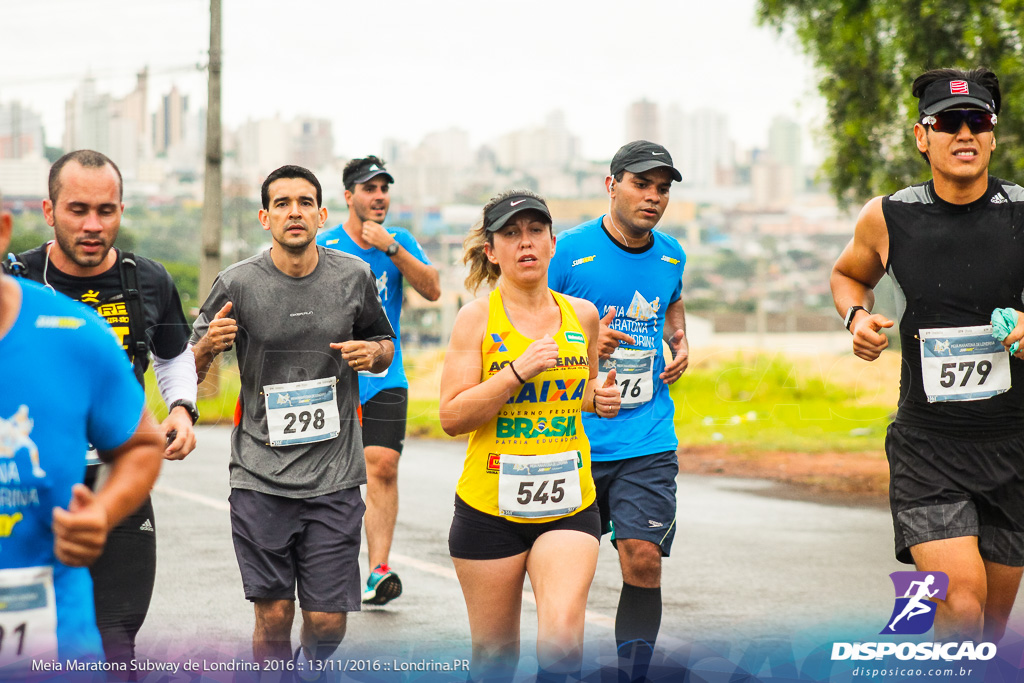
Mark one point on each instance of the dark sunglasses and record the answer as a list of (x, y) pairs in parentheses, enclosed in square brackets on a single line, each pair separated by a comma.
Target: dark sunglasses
[(951, 120)]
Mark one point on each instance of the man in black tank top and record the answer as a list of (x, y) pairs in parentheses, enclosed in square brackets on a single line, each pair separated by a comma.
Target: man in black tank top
[(954, 248)]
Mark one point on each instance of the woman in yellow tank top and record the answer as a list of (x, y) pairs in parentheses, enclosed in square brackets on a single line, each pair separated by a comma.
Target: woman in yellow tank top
[(518, 372)]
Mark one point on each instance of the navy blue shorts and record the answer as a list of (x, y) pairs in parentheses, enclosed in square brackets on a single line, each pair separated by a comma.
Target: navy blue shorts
[(313, 542), (637, 497), (476, 535), (943, 487), (384, 417)]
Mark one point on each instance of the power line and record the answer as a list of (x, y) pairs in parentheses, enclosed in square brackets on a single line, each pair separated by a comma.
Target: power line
[(101, 75)]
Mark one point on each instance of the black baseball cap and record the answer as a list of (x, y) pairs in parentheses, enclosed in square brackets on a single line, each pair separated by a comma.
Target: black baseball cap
[(955, 93), (362, 172), (639, 156), (500, 214)]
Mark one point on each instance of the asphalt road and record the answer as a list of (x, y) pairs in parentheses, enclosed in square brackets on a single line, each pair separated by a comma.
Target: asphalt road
[(746, 566)]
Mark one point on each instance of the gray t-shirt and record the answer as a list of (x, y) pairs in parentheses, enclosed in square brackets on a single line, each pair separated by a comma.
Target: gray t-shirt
[(285, 328)]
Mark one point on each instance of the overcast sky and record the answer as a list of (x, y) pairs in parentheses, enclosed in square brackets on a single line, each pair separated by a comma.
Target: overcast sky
[(402, 68)]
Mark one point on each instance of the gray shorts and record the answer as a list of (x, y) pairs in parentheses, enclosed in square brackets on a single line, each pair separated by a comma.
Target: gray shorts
[(637, 497), (313, 542)]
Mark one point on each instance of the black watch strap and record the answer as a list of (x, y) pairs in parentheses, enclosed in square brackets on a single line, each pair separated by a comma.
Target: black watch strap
[(189, 406), (850, 312), (392, 248)]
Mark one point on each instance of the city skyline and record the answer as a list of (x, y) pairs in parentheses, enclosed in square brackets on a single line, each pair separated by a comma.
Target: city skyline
[(486, 68)]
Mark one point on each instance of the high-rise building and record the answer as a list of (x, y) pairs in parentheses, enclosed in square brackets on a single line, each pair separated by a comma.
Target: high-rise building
[(129, 128), (448, 148), (312, 143), (643, 122), (21, 132), (87, 118), (169, 122), (700, 145), (263, 145), (785, 148), (394, 151), (772, 184), (116, 127), (546, 147)]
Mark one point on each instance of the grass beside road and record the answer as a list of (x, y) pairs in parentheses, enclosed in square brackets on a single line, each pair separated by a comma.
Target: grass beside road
[(215, 409), (748, 402), (744, 400), (757, 402)]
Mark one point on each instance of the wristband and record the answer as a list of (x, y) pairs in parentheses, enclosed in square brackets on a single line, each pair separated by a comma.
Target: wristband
[(513, 369)]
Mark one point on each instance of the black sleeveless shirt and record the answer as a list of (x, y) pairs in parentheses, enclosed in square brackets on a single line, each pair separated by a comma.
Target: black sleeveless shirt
[(952, 265)]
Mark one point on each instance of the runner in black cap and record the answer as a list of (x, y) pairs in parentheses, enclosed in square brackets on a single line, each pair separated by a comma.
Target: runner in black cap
[(633, 274), (954, 248), (520, 369), (395, 257)]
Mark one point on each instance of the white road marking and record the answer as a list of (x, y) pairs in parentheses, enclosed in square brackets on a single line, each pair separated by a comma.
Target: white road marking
[(214, 503)]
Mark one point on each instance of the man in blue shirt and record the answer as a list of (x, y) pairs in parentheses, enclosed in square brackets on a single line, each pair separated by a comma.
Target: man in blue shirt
[(81, 390), (393, 255), (632, 273)]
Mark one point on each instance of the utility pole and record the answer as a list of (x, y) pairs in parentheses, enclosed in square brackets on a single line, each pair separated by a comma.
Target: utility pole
[(209, 263)]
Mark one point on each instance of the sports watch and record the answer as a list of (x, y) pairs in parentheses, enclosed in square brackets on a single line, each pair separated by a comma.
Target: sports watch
[(189, 406), (850, 312), (392, 248)]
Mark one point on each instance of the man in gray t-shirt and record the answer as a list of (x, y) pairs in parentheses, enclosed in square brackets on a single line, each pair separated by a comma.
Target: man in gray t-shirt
[(305, 320)]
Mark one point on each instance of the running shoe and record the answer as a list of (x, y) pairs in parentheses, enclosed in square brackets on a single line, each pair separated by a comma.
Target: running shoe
[(382, 587)]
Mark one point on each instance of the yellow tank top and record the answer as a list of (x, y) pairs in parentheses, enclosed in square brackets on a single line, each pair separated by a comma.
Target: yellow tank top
[(541, 419)]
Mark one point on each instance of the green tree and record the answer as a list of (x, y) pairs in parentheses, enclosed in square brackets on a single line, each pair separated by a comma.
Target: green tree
[(186, 279), (868, 52)]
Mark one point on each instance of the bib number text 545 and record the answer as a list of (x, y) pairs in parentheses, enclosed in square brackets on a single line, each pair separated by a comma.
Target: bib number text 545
[(527, 495)]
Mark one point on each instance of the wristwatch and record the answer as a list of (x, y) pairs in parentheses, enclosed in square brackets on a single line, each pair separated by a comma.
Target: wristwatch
[(850, 312), (189, 406), (392, 248)]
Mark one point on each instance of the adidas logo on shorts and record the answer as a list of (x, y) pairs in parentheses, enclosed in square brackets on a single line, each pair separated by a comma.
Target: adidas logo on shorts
[(147, 526)]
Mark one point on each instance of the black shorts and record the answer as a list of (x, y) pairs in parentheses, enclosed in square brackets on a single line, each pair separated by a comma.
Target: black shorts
[(637, 497), (384, 417), (943, 487), (313, 542), (477, 535)]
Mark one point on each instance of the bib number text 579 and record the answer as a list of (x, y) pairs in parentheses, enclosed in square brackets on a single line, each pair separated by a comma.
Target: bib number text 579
[(950, 371)]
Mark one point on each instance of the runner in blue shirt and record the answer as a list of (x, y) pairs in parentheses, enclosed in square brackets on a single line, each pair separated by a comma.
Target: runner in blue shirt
[(76, 388), (632, 273), (393, 255)]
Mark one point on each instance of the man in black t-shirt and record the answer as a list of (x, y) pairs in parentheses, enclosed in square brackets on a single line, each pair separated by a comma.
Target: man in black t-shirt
[(954, 248), (138, 299)]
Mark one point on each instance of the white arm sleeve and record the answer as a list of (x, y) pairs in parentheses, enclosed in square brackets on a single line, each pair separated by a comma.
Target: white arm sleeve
[(177, 377)]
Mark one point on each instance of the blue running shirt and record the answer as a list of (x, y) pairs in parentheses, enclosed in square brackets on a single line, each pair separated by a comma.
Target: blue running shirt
[(590, 265), (68, 383), (389, 287)]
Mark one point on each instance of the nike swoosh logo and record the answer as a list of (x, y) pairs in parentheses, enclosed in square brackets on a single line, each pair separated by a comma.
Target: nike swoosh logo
[(519, 202)]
